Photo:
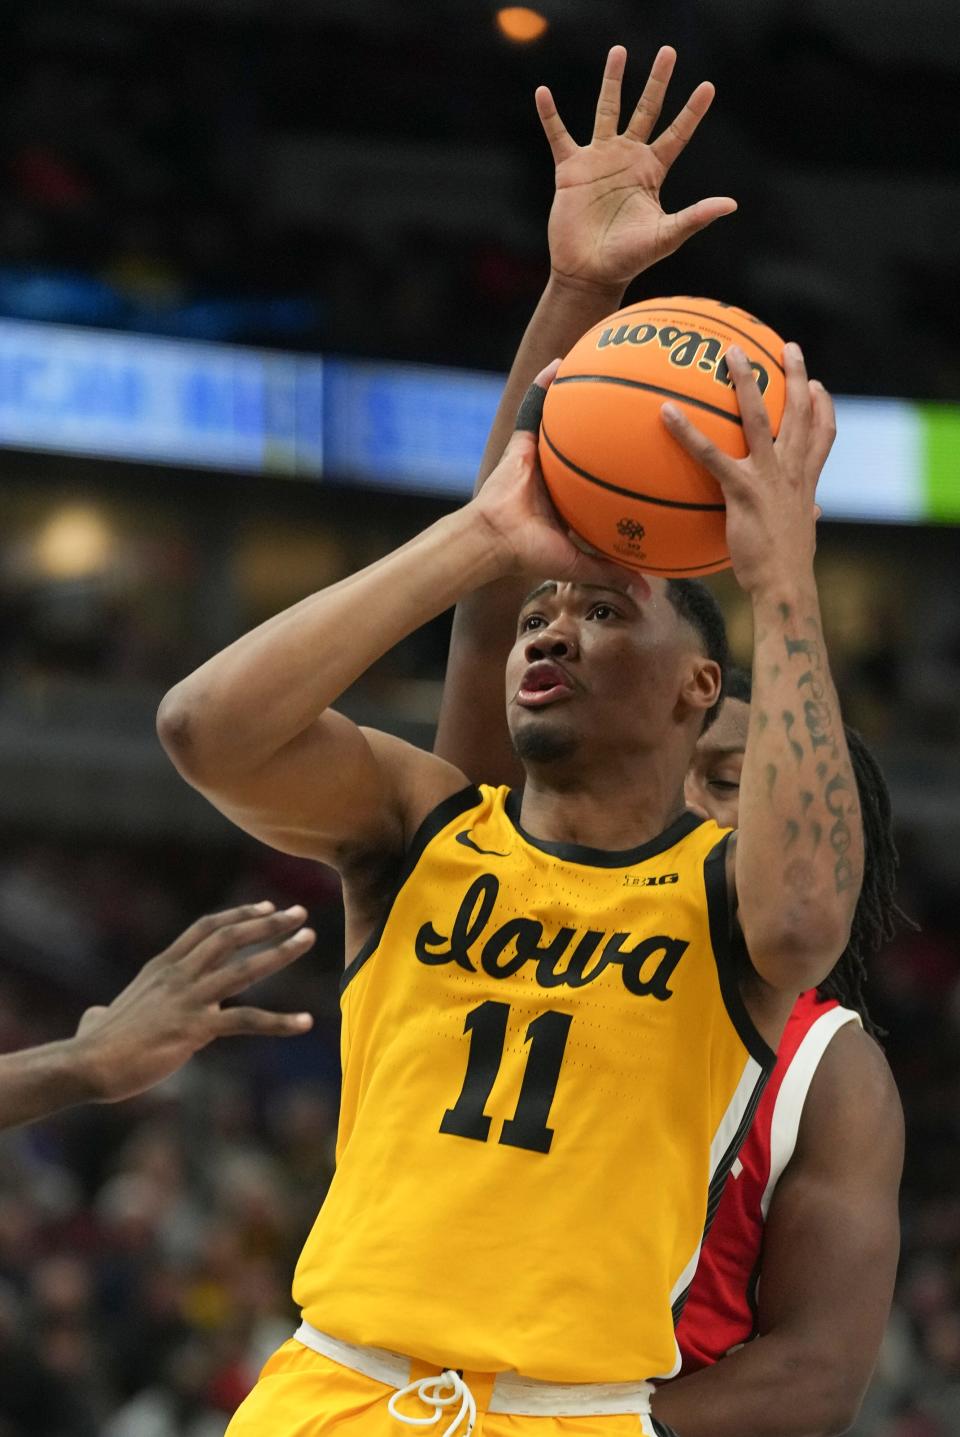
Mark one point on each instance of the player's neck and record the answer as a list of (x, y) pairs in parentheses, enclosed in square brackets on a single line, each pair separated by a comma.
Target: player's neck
[(610, 811)]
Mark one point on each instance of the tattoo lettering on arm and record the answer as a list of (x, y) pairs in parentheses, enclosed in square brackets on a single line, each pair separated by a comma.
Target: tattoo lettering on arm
[(771, 776), (788, 722), (841, 802), (838, 791)]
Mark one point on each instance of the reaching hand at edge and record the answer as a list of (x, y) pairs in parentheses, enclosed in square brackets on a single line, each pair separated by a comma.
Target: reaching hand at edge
[(607, 223), (170, 1010)]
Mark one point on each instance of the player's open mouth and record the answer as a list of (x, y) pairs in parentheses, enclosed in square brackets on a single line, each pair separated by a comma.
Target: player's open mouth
[(543, 683)]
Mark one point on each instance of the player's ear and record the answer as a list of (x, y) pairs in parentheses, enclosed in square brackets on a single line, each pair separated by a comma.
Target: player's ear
[(701, 686)]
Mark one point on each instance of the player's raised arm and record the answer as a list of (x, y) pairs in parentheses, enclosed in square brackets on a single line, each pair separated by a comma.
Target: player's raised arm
[(607, 226), (829, 1261), (165, 1015), (253, 728), (799, 847)]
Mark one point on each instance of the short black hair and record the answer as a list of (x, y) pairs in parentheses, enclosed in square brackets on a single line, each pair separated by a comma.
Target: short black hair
[(877, 916), (738, 684), (694, 602)]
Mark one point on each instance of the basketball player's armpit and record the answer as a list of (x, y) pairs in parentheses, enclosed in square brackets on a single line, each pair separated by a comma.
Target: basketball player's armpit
[(800, 852)]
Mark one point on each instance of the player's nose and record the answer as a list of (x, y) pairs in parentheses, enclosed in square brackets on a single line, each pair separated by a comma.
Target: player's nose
[(556, 641)]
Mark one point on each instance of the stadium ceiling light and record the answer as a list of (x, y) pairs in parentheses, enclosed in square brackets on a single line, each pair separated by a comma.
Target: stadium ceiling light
[(521, 25), (75, 543)]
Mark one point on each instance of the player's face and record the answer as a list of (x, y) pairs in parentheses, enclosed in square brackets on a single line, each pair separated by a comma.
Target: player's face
[(713, 780), (596, 666)]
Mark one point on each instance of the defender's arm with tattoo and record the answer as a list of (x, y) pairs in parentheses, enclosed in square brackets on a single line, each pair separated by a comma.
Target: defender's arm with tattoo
[(799, 850)]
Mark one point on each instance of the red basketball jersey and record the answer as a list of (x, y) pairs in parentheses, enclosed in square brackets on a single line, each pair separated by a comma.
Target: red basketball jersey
[(720, 1311)]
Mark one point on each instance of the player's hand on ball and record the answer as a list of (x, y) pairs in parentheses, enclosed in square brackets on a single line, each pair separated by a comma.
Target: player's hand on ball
[(172, 1007), (770, 496), (607, 223), (529, 536)]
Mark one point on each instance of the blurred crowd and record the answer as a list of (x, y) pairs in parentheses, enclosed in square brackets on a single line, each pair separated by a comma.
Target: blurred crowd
[(146, 1249), (139, 163)]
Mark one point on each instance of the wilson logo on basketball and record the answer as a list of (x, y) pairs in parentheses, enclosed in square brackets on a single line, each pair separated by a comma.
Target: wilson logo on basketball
[(685, 347)]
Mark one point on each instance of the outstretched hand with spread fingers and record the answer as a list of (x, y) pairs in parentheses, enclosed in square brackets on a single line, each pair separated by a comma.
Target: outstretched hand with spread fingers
[(607, 223), (172, 1008)]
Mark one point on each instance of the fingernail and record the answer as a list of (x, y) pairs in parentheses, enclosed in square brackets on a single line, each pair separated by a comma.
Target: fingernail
[(265, 907), (793, 350), (297, 911), (736, 354), (303, 1020), (670, 411)]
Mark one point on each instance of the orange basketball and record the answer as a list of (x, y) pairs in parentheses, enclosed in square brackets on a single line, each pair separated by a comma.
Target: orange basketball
[(617, 476)]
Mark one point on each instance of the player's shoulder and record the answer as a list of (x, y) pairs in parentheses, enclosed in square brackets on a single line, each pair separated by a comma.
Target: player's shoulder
[(852, 1104), (854, 1067), (422, 781), (417, 787)]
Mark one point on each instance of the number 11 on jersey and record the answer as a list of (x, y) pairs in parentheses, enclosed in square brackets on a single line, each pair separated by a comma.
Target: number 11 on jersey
[(547, 1037)]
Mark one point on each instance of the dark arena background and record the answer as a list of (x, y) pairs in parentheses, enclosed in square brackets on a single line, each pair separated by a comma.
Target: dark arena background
[(263, 266)]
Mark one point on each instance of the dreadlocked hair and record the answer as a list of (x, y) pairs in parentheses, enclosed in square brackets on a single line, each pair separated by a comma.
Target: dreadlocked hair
[(877, 917)]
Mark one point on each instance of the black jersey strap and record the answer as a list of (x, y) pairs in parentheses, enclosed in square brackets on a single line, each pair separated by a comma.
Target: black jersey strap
[(660, 1429), (730, 954)]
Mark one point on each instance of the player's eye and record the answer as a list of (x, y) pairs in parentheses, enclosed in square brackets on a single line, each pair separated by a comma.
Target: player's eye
[(724, 785), (602, 611), (531, 621)]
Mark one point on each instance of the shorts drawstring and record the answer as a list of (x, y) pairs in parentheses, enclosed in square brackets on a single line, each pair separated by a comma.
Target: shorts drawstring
[(439, 1391)]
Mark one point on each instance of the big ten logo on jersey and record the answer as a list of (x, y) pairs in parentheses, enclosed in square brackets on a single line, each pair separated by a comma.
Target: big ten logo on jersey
[(572, 958), (649, 880)]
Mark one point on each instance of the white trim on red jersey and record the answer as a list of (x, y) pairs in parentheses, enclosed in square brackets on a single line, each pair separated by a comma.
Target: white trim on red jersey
[(788, 1109), (720, 1311)]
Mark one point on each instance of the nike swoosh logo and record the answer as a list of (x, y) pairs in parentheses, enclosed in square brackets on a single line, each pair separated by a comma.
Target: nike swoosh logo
[(467, 841)]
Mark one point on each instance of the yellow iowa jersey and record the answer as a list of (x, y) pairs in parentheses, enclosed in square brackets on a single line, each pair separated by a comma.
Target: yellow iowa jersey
[(547, 1072)]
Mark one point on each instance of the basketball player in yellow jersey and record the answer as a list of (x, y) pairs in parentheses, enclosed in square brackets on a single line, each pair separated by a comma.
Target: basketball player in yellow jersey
[(549, 1054)]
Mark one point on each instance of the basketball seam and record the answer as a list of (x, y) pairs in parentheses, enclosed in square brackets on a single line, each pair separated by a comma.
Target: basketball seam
[(627, 493), (723, 561), (652, 389), (697, 314)]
